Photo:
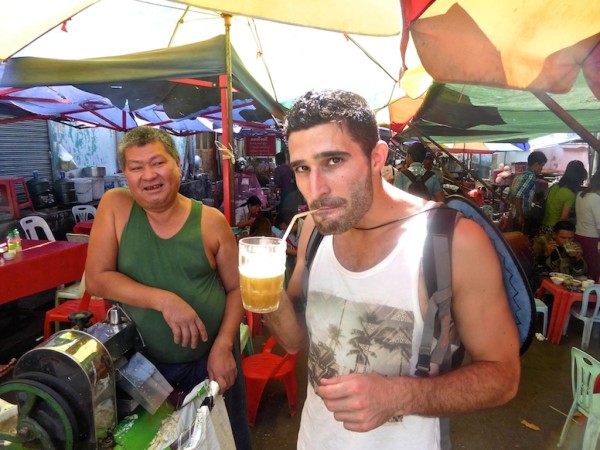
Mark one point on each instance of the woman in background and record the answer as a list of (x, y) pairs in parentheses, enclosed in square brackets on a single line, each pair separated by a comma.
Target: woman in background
[(247, 212), (561, 196), (261, 227), (587, 227)]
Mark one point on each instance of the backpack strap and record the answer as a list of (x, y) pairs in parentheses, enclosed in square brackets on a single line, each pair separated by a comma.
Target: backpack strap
[(411, 176), (437, 272), (427, 175), (309, 255)]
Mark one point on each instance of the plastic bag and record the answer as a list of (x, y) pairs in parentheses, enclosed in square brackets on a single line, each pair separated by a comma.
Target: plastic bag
[(201, 423)]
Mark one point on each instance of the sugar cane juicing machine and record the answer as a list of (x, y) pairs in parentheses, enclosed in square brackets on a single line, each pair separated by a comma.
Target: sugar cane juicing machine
[(71, 391)]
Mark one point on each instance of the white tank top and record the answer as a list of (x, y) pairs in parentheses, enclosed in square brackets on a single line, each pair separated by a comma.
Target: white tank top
[(366, 322)]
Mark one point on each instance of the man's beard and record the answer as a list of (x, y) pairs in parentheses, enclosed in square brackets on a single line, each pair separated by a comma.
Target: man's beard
[(361, 197)]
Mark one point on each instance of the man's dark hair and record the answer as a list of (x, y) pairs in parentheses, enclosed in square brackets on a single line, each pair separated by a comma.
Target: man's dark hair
[(350, 110), (417, 151), (536, 157), (563, 225), (253, 200), (280, 158)]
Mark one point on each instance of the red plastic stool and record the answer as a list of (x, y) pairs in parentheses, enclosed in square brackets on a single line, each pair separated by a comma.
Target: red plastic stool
[(8, 192), (97, 306), (254, 321), (260, 368)]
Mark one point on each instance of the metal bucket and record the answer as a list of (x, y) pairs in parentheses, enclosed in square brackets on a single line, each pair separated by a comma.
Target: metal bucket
[(94, 171)]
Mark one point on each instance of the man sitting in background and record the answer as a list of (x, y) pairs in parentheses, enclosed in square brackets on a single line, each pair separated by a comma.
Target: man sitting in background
[(556, 252)]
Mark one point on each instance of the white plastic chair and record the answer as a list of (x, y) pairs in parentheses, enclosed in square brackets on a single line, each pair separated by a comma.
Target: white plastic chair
[(77, 237), (584, 371), (72, 291), (588, 314), (83, 212), (31, 224), (542, 308)]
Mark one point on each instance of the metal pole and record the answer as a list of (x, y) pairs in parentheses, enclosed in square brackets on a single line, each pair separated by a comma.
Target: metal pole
[(226, 86), (568, 119)]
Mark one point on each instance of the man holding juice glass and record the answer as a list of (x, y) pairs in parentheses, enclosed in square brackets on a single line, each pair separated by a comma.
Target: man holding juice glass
[(365, 302)]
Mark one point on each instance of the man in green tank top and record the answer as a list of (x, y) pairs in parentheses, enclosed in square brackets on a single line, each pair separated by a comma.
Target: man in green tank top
[(171, 262)]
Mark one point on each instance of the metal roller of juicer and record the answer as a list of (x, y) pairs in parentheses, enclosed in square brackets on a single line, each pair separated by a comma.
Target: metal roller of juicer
[(71, 391)]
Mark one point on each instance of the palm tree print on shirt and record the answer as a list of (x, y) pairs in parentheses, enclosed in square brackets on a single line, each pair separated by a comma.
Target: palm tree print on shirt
[(357, 338)]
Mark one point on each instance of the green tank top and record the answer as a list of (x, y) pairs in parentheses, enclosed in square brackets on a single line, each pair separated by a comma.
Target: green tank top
[(179, 265)]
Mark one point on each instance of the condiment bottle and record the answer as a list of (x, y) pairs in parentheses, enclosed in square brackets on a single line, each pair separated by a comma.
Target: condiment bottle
[(17, 239), (10, 243)]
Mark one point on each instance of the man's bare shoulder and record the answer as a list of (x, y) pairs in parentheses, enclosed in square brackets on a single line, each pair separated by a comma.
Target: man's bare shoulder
[(214, 224), (467, 229), (213, 216), (115, 202), (116, 196), (474, 252)]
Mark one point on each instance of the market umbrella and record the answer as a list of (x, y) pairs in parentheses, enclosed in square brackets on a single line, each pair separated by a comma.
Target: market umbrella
[(277, 53), (26, 20), (538, 46), (470, 113), (66, 104), (182, 85)]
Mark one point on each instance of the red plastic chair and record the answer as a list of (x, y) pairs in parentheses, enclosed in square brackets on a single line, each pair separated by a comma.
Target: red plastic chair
[(98, 307), (254, 322), (260, 368)]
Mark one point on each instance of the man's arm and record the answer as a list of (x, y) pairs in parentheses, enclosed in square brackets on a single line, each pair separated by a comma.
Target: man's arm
[(102, 278), (484, 321), (285, 323), (221, 245)]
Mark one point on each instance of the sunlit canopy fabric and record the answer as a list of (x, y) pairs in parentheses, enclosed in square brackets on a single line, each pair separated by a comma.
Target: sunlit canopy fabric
[(538, 45), (467, 113), (373, 17), (25, 20)]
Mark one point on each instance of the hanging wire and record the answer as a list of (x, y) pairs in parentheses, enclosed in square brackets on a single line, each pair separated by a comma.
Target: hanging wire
[(260, 54)]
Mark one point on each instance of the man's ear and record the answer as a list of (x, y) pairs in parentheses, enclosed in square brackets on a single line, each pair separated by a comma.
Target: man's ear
[(379, 156)]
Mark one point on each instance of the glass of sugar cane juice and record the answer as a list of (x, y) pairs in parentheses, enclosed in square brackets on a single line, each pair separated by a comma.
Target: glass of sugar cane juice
[(262, 268)]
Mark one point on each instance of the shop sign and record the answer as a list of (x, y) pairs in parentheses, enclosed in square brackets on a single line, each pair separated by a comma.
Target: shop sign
[(263, 145)]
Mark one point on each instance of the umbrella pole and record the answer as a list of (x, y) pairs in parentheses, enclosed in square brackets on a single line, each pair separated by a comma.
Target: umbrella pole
[(225, 83), (568, 119)]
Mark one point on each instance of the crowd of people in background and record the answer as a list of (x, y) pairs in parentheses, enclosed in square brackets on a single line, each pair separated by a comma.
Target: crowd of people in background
[(551, 215), (562, 220), (554, 216)]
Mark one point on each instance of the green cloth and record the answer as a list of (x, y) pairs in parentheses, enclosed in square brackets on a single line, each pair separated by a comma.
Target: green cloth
[(558, 198), (179, 265), (474, 113)]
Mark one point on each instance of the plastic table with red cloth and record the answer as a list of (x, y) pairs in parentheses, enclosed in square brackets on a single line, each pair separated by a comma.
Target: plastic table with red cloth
[(561, 307), (83, 227), (42, 265)]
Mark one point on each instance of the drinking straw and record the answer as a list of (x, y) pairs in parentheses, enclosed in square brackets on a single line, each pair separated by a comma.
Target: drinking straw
[(293, 221)]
